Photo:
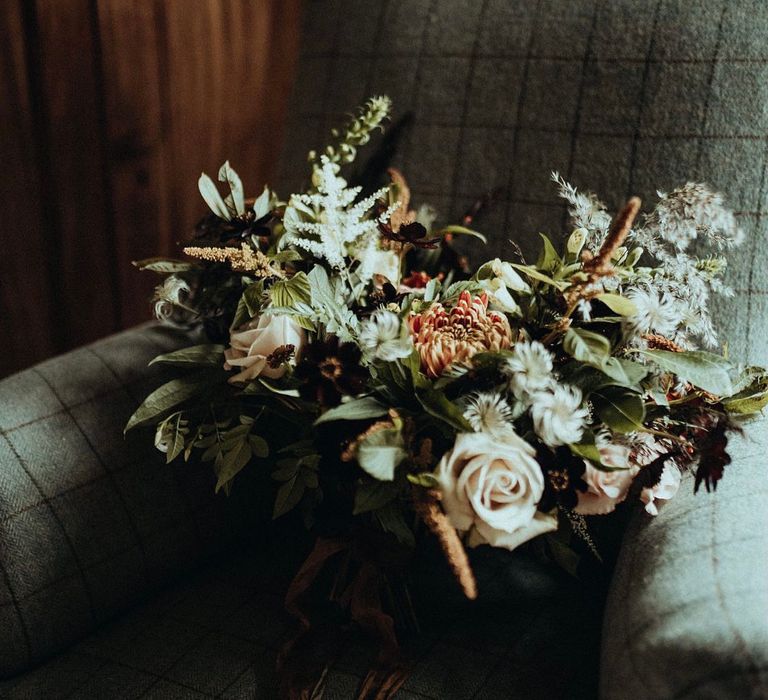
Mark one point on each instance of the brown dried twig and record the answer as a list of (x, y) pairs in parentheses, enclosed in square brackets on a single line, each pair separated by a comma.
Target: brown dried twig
[(427, 507)]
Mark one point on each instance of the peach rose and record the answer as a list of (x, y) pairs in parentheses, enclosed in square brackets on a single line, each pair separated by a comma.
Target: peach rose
[(252, 345), (606, 489), (491, 488)]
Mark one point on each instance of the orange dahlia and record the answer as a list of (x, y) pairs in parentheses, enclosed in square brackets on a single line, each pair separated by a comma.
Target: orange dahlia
[(445, 337)]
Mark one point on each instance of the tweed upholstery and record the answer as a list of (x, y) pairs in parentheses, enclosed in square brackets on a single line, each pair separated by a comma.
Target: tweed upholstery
[(688, 611), (620, 96), (90, 522)]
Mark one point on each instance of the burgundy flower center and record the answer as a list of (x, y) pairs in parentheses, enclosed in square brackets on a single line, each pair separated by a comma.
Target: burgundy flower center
[(559, 479), (331, 368)]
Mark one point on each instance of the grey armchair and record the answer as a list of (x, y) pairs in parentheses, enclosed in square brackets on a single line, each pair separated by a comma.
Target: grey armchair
[(123, 577)]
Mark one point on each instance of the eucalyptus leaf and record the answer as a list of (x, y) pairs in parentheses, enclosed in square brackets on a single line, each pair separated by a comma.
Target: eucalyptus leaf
[(587, 346), (356, 409), (235, 202), (194, 355), (549, 260), (170, 395), (165, 265), (212, 197), (702, 369), (622, 411)]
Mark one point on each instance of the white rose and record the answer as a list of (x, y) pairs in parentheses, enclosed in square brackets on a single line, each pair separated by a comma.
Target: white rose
[(491, 488), (251, 345)]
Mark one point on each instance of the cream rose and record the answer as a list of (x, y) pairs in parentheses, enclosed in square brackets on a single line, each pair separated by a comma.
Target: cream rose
[(491, 488), (665, 490), (252, 344)]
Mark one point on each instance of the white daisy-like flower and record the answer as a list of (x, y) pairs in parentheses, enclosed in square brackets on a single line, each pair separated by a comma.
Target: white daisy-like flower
[(529, 369), (384, 336), (656, 312), (489, 412), (558, 416)]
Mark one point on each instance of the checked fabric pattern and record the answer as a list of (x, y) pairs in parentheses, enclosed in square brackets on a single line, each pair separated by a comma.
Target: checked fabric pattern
[(619, 96), (90, 523)]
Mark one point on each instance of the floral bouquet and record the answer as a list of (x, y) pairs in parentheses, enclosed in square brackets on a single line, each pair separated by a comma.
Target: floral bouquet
[(388, 390)]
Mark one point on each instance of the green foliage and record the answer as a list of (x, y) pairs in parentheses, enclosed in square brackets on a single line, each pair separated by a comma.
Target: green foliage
[(172, 394), (752, 394), (623, 411), (297, 473), (618, 304), (356, 409), (372, 494), (702, 369), (197, 355), (549, 259), (379, 453), (165, 266)]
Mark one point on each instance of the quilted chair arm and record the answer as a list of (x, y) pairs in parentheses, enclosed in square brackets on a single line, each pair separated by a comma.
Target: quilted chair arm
[(90, 521), (687, 616)]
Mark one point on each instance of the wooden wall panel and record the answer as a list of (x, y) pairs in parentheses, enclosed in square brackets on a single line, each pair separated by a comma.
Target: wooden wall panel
[(26, 294), (111, 108)]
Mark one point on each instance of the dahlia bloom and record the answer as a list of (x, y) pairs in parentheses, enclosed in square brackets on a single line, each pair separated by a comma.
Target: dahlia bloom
[(446, 337)]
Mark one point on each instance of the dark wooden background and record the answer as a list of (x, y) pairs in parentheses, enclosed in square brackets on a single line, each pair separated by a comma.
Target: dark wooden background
[(109, 111)]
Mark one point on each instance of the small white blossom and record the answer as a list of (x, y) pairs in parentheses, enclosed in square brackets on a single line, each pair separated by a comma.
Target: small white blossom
[(529, 369), (509, 276), (656, 312), (172, 293), (489, 412), (383, 336), (558, 417)]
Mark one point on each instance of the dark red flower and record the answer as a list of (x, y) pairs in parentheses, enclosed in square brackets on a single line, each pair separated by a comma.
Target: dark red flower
[(329, 370)]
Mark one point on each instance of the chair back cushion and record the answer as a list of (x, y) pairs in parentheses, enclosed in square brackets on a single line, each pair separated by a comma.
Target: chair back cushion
[(621, 97)]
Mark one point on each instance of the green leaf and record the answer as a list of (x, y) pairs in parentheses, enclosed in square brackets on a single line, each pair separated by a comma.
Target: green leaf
[(356, 409), (261, 205), (702, 369), (437, 404), (291, 292), (169, 395), (391, 519), (548, 260), (212, 197), (426, 480), (463, 231), (618, 304), (285, 256), (176, 444), (622, 411), (235, 200), (586, 346), (372, 495), (533, 273), (253, 298), (288, 496), (195, 355), (259, 446), (380, 453), (753, 394), (165, 265), (232, 462)]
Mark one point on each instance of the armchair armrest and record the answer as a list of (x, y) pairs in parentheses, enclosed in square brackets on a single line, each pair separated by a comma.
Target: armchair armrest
[(90, 521), (687, 616)]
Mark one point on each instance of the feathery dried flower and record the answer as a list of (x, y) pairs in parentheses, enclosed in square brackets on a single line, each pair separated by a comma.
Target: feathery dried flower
[(655, 313), (452, 336), (383, 336), (558, 417), (529, 369), (489, 412), (243, 259)]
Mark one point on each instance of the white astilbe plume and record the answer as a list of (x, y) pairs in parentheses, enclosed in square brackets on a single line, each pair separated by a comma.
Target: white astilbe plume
[(326, 222), (586, 211), (489, 412)]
